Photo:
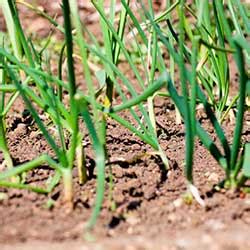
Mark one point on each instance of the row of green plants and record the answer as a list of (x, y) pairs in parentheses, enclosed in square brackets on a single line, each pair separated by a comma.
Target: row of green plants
[(184, 53)]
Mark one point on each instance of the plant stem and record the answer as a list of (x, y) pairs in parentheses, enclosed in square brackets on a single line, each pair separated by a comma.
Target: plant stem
[(68, 188), (80, 160), (22, 186), (240, 114), (3, 145), (15, 40), (189, 137), (20, 32), (83, 53), (72, 84), (30, 165), (3, 142)]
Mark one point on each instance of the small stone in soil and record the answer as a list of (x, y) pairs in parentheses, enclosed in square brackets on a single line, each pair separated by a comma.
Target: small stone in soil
[(3, 196), (132, 219), (149, 193)]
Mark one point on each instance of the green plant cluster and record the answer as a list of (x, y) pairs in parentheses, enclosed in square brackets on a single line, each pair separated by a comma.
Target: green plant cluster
[(187, 46)]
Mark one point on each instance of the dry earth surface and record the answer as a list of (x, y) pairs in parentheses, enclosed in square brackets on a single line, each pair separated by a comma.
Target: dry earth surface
[(150, 210)]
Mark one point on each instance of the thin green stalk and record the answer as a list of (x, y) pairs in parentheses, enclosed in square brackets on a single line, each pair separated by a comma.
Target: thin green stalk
[(163, 15), (83, 53), (193, 82), (108, 45), (23, 186), (240, 107), (219, 8), (72, 84), (43, 159), (100, 162), (60, 65), (14, 38), (52, 182), (8, 88), (69, 47), (72, 4), (204, 17), (171, 61), (152, 64), (10, 103), (20, 32), (120, 32), (39, 12), (3, 145), (221, 62), (237, 169), (230, 106), (58, 122), (114, 49), (135, 22), (243, 14), (234, 17), (3, 141), (189, 136)]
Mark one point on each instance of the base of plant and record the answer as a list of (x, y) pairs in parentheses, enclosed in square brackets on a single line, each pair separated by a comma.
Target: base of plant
[(193, 193), (68, 189), (80, 158)]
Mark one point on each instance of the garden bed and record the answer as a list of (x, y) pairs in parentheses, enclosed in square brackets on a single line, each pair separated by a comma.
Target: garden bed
[(151, 211), (149, 201)]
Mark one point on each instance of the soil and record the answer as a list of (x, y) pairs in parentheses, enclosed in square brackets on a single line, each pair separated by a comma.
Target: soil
[(151, 211)]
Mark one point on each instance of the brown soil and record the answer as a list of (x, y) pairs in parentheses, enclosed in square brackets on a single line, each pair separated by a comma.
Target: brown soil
[(150, 212)]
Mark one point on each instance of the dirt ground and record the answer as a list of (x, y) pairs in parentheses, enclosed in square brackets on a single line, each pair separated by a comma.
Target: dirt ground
[(150, 210)]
